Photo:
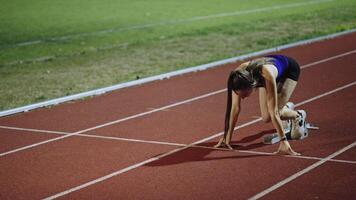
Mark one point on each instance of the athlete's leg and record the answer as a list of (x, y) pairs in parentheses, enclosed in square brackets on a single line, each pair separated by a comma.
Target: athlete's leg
[(298, 129), (263, 105), (286, 90)]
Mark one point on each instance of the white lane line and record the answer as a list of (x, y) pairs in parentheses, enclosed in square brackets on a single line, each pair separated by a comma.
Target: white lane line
[(133, 140), (92, 136), (172, 152), (153, 111), (300, 173), (325, 94), (328, 59), (170, 22), (131, 117), (170, 74), (301, 157), (33, 130), (165, 143), (109, 123)]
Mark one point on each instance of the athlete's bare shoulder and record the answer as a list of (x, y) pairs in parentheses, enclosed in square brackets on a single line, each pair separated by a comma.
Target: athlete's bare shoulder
[(269, 72)]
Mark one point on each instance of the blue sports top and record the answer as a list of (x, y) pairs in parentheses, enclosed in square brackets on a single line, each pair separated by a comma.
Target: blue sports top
[(281, 63)]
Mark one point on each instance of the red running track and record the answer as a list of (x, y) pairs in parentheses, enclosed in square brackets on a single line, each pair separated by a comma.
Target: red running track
[(147, 152)]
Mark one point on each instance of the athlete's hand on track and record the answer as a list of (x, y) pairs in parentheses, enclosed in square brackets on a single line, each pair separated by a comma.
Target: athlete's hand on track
[(222, 143), (285, 148)]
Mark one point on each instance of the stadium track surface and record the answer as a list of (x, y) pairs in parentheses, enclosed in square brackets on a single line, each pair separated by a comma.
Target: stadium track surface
[(146, 156)]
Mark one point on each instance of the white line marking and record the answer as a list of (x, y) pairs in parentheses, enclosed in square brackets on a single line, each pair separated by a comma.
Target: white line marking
[(167, 75), (172, 152), (151, 111), (92, 136), (110, 123), (328, 59), (304, 171), (33, 130), (140, 115), (166, 143), (132, 140), (302, 157), (325, 94), (170, 22)]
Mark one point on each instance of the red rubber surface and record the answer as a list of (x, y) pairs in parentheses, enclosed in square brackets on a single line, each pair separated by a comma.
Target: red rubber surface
[(321, 184), (195, 172)]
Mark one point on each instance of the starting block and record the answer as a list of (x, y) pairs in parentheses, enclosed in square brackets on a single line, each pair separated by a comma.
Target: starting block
[(311, 126), (274, 138)]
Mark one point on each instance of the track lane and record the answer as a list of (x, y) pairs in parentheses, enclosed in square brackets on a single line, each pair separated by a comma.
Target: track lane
[(329, 181), (350, 155), (13, 139), (223, 175), (68, 171), (39, 170), (38, 173), (207, 115)]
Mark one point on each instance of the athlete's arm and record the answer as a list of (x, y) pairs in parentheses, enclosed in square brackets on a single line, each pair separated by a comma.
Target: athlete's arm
[(269, 75), (272, 99), (234, 114)]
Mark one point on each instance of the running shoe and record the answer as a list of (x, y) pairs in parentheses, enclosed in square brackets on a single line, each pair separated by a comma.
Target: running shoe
[(287, 124), (299, 129), (290, 105)]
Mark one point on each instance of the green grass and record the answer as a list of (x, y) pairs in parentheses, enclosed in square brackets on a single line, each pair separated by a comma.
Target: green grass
[(87, 58)]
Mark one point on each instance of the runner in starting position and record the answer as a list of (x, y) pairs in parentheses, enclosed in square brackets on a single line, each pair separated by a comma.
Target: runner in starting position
[(275, 76)]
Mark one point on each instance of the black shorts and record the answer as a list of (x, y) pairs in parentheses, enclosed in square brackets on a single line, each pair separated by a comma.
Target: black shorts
[(293, 70)]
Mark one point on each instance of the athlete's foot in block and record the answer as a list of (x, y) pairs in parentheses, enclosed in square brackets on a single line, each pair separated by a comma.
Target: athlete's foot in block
[(285, 149)]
